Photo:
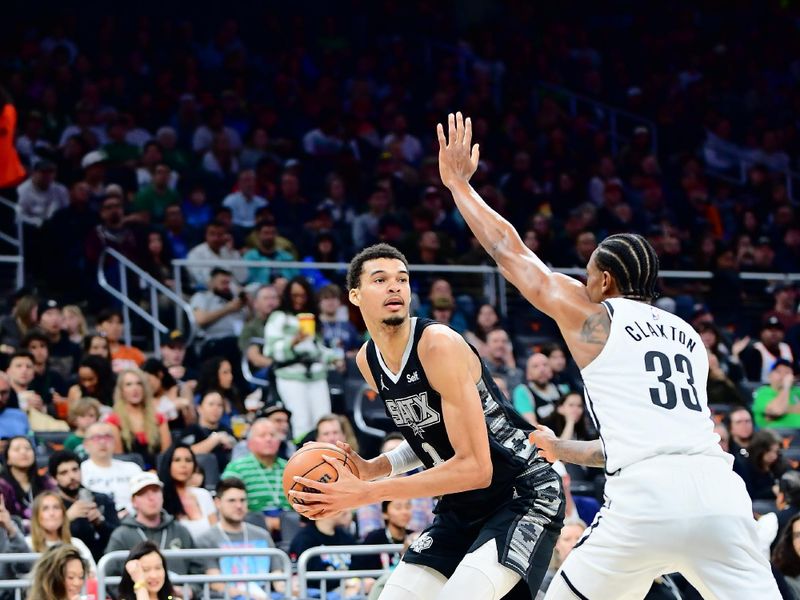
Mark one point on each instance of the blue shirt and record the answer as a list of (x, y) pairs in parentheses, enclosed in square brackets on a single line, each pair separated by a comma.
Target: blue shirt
[(13, 422)]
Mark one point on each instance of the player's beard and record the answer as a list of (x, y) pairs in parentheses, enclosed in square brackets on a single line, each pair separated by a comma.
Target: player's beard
[(394, 321)]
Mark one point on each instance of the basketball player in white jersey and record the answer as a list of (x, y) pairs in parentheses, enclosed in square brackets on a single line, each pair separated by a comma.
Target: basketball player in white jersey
[(673, 503)]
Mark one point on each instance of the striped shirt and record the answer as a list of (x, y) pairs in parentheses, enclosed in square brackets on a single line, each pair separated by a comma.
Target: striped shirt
[(264, 484)]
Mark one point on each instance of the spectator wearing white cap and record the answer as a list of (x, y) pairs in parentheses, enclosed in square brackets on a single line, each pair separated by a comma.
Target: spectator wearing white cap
[(152, 523), (94, 168)]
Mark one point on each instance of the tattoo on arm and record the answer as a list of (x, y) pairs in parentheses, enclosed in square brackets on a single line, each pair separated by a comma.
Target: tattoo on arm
[(595, 328), (588, 454)]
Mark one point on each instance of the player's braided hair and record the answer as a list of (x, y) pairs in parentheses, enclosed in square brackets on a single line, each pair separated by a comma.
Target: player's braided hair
[(370, 253), (633, 262)]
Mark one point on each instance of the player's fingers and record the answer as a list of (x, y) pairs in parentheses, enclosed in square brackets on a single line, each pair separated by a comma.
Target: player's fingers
[(316, 514), (305, 510), (335, 463), (476, 155), (344, 446), (460, 127), (308, 497), (310, 483), (440, 135), (451, 126), (467, 132)]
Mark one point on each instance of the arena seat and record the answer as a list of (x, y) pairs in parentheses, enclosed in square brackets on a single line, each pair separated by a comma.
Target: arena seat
[(369, 415)]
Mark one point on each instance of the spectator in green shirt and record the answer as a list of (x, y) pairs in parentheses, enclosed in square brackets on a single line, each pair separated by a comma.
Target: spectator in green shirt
[(152, 200), (777, 404), (118, 150), (262, 473)]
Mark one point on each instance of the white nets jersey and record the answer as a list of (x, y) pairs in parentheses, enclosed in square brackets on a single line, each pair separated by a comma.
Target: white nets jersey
[(646, 390)]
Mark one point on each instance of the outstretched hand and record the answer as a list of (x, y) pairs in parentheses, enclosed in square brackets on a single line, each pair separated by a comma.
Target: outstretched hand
[(545, 440), (458, 158)]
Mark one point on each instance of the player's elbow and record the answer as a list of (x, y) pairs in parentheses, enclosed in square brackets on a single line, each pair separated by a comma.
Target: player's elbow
[(482, 475)]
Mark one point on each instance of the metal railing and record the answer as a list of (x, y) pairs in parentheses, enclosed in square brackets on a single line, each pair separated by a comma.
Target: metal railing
[(23, 582), (495, 288), (492, 289), (303, 574), (358, 414), (17, 257), (285, 575), (617, 122), (155, 288)]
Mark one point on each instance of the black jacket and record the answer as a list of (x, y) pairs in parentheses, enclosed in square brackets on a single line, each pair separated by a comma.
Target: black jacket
[(95, 536)]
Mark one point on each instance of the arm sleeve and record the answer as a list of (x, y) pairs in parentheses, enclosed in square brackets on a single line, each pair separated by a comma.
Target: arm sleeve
[(403, 459)]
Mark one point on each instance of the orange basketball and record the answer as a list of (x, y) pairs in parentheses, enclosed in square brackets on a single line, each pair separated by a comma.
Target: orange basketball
[(308, 462)]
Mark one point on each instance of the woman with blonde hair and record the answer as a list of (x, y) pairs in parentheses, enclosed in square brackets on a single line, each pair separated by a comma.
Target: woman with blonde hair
[(50, 527), (75, 323), (58, 575), (138, 428)]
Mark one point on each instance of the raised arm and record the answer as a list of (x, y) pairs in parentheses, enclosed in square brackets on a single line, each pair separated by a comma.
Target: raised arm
[(583, 323)]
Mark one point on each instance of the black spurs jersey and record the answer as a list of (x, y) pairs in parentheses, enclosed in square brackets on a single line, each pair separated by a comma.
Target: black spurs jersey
[(416, 408)]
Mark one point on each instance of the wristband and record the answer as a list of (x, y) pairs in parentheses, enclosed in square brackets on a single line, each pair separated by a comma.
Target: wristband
[(402, 459), (139, 585)]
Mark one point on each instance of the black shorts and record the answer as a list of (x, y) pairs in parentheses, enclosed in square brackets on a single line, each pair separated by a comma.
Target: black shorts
[(525, 530)]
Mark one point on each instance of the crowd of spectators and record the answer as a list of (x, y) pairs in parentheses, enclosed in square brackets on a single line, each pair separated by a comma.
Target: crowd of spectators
[(276, 136)]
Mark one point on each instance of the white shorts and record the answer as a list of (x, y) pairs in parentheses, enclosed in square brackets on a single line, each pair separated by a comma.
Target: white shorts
[(685, 514)]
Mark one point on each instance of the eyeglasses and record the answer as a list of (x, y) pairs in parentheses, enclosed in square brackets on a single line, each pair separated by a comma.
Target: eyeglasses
[(101, 437)]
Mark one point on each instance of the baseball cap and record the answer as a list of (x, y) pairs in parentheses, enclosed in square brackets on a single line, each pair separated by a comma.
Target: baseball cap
[(92, 158), (44, 165), (175, 338), (275, 408), (782, 362), (48, 304), (772, 323), (143, 480), (764, 241)]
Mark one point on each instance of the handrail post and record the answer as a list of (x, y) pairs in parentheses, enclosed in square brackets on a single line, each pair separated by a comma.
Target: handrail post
[(126, 315), (176, 273), (21, 248), (154, 312)]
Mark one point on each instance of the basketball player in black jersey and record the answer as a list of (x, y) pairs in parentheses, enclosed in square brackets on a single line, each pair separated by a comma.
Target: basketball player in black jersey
[(502, 505)]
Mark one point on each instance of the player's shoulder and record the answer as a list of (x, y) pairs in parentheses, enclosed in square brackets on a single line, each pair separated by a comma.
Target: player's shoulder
[(438, 337)]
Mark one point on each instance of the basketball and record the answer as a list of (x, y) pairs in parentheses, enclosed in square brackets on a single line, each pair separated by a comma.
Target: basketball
[(308, 462)]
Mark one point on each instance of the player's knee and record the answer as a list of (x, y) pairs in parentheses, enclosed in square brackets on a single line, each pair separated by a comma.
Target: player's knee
[(398, 592), (468, 582), (413, 582)]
